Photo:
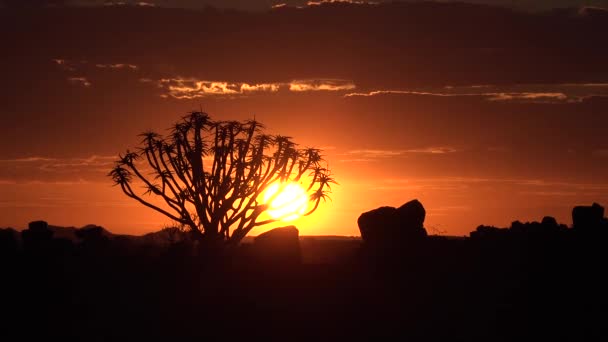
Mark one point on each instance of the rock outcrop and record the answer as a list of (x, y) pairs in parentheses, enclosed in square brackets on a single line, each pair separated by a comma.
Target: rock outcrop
[(278, 246), (588, 217), (389, 225)]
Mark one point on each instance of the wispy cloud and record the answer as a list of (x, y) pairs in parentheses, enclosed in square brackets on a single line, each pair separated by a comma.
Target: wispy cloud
[(81, 81), (191, 88), (371, 153), (79, 181), (129, 3), (53, 169), (366, 155), (321, 85), (117, 66), (79, 71), (313, 3), (75, 163), (64, 64), (531, 93), (590, 10), (93, 160), (550, 193), (433, 150), (352, 2), (27, 160), (530, 97), (464, 185)]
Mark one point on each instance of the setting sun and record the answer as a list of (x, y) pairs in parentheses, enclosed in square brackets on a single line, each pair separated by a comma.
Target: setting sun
[(286, 201)]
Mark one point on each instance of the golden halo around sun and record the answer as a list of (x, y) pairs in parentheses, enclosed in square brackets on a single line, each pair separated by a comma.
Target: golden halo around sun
[(286, 201)]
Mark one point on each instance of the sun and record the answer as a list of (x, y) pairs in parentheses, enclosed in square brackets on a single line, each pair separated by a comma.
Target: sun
[(286, 201)]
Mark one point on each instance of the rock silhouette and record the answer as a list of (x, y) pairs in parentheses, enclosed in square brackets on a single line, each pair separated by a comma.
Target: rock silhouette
[(37, 237), (9, 241), (389, 225), (547, 229), (279, 245), (588, 217)]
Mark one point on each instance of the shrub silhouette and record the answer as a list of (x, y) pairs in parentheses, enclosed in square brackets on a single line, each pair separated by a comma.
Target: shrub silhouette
[(209, 174)]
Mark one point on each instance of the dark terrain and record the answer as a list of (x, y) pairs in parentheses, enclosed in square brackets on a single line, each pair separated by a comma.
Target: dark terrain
[(533, 281)]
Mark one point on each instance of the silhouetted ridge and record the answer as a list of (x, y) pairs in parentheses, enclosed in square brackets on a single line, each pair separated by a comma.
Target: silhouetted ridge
[(587, 222), (532, 280)]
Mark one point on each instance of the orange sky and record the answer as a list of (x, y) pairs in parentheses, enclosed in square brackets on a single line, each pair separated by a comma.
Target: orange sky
[(482, 126)]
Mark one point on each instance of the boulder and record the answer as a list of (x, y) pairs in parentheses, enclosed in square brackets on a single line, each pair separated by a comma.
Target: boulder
[(588, 217), (37, 237), (91, 233), (278, 246), (9, 241), (412, 215), (376, 224), (549, 225), (489, 233), (38, 226), (550, 222), (389, 225)]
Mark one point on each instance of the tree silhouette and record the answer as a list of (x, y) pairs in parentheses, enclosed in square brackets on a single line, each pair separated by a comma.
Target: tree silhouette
[(209, 174)]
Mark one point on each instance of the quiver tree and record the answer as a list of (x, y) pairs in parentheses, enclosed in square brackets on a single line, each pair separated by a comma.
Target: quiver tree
[(208, 176)]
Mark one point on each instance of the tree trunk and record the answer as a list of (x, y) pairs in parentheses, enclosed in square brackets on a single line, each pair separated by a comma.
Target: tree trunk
[(212, 248)]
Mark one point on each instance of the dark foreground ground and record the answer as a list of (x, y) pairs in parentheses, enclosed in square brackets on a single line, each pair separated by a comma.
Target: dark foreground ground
[(435, 290)]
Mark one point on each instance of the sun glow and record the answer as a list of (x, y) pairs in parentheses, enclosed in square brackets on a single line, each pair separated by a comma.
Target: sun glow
[(286, 201)]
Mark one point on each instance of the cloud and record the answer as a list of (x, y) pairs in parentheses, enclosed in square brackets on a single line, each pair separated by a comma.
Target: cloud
[(79, 181), (117, 66), (550, 193), (129, 3), (313, 3), (82, 81), (367, 155), (529, 97), (83, 67), (72, 65), (376, 153), (32, 3), (490, 96), (350, 2), (26, 160), (321, 85), (458, 185), (64, 64), (51, 169), (355, 160), (191, 88), (592, 10), (71, 163), (529, 93), (433, 150)]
